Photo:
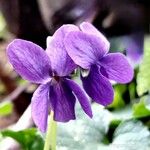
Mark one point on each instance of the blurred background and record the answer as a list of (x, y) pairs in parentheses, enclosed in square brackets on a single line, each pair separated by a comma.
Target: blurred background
[(125, 23)]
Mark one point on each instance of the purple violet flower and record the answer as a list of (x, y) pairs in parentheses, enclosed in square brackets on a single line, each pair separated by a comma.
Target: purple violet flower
[(134, 45), (50, 69), (88, 48)]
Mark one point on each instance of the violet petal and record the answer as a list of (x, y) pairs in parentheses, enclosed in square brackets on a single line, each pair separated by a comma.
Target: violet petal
[(62, 102), (61, 63), (84, 49), (40, 106), (29, 60), (88, 28), (98, 87), (117, 67), (134, 45), (81, 96)]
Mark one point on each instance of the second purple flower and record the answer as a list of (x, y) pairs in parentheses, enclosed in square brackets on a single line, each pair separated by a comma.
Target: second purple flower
[(88, 48)]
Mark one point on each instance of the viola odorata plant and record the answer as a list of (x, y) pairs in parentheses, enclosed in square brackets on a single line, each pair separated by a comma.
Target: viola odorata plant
[(70, 47)]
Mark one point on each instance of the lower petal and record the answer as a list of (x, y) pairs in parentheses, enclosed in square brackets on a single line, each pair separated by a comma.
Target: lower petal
[(40, 106), (98, 87), (83, 100), (62, 102)]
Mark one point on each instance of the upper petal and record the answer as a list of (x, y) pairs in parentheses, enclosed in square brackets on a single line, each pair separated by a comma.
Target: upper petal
[(98, 87), (117, 68), (61, 63), (84, 49), (90, 29), (81, 96), (29, 60), (62, 102), (40, 106)]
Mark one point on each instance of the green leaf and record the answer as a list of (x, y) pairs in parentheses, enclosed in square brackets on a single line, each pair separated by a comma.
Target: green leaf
[(132, 90), (6, 108), (2, 26), (92, 134), (84, 133), (140, 109), (29, 139), (122, 114), (131, 135), (2, 23), (118, 101), (143, 77)]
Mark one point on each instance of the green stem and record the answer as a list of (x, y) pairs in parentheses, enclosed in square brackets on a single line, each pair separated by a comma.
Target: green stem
[(50, 140)]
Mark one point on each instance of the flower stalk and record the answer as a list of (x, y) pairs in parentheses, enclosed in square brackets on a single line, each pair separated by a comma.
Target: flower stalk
[(50, 140)]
